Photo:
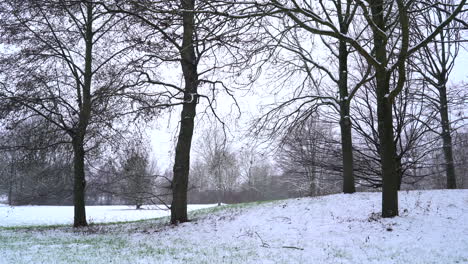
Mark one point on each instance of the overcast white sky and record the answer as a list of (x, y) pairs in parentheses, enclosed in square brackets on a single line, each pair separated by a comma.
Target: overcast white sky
[(165, 130)]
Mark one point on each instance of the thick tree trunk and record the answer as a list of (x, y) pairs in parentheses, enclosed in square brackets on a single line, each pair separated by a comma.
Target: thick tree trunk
[(347, 152), (79, 184), (182, 165), (78, 135), (446, 135), (184, 141), (385, 116), (387, 148), (345, 120)]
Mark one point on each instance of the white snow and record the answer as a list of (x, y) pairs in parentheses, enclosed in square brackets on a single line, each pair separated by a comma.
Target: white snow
[(432, 228), (57, 215)]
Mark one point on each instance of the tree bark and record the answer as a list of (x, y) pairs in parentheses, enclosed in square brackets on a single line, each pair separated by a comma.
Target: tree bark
[(182, 165), (345, 121), (399, 172), (10, 193), (385, 116), (12, 180), (78, 134), (312, 186), (182, 156), (387, 148), (347, 152), (79, 184), (446, 134), (219, 192)]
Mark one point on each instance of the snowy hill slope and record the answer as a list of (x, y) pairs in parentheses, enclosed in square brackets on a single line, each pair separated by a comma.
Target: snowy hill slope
[(432, 228)]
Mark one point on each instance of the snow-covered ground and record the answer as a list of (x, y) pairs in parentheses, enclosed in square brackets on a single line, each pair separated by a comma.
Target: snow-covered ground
[(432, 228), (57, 215)]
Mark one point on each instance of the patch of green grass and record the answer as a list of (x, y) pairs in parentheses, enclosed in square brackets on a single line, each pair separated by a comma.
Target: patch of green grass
[(33, 227), (117, 248), (59, 247), (91, 224)]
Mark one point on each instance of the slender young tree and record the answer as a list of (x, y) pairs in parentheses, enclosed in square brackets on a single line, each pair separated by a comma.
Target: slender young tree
[(139, 182), (220, 161)]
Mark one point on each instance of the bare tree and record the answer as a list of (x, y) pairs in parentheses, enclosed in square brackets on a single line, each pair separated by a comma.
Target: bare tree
[(435, 63), (138, 182), (386, 48), (68, 63), (326, 80), (412, 139), (308, 158), (202, 44), (220, 162)]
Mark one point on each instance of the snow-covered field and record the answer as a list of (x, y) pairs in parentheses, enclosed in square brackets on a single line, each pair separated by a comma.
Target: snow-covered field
[(432, 228), (58, 215)]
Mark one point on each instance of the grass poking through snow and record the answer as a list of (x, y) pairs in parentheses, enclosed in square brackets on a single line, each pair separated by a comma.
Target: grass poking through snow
[(340, 228)]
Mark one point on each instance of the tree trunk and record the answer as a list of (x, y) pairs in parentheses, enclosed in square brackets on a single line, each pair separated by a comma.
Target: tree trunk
[(387, 149), (345, 120), (219, 196), (10, 193), (182, 165), (385, 116), (347, 151), (79, 184), (312, 186), (11, 181), (78, 135), (318, 179), (184, 141), (399, 172), (219, 191), (446, 135)]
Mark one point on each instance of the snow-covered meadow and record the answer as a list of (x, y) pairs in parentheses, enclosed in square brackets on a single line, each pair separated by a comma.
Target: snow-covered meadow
[(63, 215), (432, 228)]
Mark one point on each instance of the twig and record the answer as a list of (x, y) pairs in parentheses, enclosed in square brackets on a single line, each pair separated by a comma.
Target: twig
[(264, 244), (291, 247)]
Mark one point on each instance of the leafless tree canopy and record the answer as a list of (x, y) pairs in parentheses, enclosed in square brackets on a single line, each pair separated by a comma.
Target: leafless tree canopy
[(351, 95)]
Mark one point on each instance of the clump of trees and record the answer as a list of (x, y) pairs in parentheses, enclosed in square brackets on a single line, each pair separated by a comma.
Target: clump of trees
[(382, 40), (223, 173), (78, 76)]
